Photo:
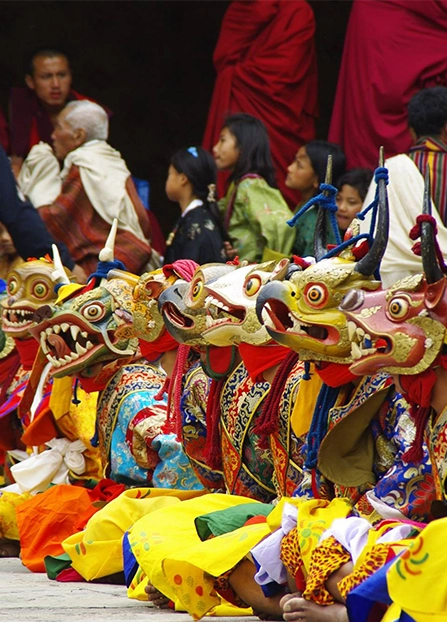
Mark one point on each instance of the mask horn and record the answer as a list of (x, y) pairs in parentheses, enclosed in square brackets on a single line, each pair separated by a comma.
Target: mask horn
[(320, 236), (432, 269), (58, 275), (107, 253), (371, 261)]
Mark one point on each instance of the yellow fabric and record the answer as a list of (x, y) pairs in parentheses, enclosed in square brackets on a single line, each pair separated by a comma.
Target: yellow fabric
[(8, 520), (190, 571), (302, 409), (159, 536), (77, 421), (66, 291), (97, 551), (416, 581), (314, 517)]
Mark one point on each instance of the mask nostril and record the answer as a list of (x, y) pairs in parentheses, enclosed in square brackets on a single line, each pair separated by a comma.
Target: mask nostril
[(43, 313), (352, 300)]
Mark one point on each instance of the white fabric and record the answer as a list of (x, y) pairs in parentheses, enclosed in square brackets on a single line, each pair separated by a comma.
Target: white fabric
[(192, 205), (36, 473), (104, 174), (382, 508), (39, 178), (352, 533), (405, 197), (267, 552)]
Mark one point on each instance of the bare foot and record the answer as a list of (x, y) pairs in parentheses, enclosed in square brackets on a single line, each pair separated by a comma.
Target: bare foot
[(9, 548), (297, 608), (156, 598)]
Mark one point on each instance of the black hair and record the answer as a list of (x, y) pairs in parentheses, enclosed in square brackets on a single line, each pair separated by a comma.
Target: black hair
[(318, 151), (200, 168), (47, 53), (254, 147), (427, 111), (358, 178)]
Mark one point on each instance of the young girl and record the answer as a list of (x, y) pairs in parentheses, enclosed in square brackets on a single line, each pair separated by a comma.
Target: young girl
[(253, 209), (198, 233), (352, 189), (305, 174)]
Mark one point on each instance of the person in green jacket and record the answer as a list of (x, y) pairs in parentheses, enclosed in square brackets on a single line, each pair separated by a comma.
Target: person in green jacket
[(254, 212), (306, 173)]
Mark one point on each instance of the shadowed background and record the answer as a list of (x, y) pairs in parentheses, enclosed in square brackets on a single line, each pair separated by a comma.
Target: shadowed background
[(151, 63)]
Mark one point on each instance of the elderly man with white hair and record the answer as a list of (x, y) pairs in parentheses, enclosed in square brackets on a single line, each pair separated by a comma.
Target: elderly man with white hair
[(79, 203)]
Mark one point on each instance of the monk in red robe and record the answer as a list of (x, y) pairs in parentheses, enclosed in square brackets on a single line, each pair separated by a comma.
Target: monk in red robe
[(34, 109), (392, 50), (266, 66)]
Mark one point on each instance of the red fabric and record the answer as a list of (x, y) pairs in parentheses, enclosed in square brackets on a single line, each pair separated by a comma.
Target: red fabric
[(392, 50), (258, 359), (335, 374), (27, 349), (213, 452), (417, 391), (90, 385), (152, 350), (183, 268), (8, 369), (266, 66)]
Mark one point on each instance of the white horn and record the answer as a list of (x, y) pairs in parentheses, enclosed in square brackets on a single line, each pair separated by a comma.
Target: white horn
[(107, 253), (58, 275)]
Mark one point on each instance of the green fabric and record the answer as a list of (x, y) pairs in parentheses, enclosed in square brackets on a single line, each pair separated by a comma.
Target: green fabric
[(55, 565), (305, 231), (258, 220), (224, 521)]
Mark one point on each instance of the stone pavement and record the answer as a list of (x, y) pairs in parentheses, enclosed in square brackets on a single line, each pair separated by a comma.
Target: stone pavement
[(25, 596)]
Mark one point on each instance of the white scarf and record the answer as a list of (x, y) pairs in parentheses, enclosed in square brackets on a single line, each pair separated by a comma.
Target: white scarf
[(104, 174), (39, 178), (405, 198)]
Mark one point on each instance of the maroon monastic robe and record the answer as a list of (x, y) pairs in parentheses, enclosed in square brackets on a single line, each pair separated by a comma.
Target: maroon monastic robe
[(266, 66), (393, 49)]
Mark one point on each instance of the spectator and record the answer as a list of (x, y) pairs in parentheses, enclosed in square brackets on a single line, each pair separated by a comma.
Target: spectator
[(79, 204), (34, 108)]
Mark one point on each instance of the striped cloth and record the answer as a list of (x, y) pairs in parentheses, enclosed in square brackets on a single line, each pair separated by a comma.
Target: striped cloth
[(433, 152), (72, 219)]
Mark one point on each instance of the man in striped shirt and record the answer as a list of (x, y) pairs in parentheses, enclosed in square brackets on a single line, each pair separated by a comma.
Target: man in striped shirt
[(427, 117)]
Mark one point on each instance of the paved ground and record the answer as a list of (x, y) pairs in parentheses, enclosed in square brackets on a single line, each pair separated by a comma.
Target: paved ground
[(25, 596)]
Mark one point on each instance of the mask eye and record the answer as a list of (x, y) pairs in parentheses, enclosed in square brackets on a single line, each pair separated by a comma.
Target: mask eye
[(196, 290), (398, 308), (93, 312), (13, 286), (252, 285), (40, 289), (316, 295)]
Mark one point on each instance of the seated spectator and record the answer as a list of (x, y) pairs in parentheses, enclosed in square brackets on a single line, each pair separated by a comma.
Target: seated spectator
[(198, 233), (306, 173), (427, 118), (352, 189), (79, 204), (34, 108)]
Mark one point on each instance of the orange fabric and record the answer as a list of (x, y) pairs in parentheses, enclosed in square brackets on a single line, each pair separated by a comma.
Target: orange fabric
[(41, 430), (47, 519)]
